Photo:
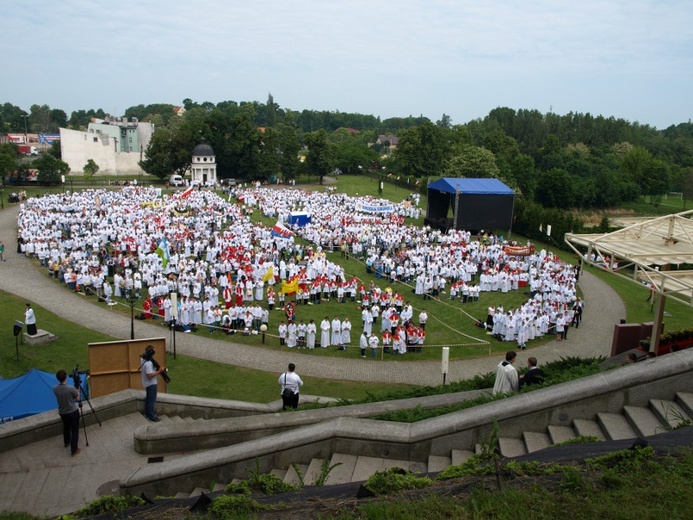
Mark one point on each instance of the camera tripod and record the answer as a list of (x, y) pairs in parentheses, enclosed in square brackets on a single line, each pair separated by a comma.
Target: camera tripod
[(84, 396)]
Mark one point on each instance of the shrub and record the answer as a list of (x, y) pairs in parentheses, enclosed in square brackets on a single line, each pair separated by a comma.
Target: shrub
[(395, 479), (109, 504), (231, 506)]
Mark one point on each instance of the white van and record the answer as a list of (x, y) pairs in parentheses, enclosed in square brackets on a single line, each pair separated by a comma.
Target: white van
[(176, 180)]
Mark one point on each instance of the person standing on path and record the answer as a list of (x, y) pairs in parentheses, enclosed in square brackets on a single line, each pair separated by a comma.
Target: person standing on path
[(68, 408), (290, 382), (149, 382), (2, 251), (506, 375), (30, 320)]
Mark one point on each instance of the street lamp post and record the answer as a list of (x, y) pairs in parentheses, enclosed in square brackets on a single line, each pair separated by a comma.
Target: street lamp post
[(26, 132), (132, 300)]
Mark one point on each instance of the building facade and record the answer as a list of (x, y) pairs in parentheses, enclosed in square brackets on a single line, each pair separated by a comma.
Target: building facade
[(115, 144)]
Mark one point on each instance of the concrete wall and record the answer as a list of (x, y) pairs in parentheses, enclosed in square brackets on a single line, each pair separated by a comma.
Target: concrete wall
[(78, 147), (607, 392)]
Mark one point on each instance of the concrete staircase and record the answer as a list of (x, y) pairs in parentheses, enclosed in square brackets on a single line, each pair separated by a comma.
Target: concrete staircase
[(634, 421), (350, 468)]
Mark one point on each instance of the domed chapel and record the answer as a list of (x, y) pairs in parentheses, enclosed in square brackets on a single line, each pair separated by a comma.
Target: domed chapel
[(204, 166)]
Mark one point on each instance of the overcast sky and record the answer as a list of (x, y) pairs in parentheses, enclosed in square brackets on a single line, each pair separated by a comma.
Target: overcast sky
[(630, 59)]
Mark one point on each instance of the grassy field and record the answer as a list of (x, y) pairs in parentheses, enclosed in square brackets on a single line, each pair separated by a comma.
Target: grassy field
[(450, 323), (190, 376)]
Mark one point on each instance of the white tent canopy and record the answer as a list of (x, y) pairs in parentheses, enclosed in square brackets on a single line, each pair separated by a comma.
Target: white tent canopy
[(655, 252)]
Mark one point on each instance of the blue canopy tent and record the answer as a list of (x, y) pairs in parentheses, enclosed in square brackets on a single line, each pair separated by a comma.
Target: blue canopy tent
[(476, 204), (27, 395), (299, 218)]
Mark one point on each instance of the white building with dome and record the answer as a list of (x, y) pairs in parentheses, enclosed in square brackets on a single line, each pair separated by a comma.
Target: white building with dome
[(203, 169)]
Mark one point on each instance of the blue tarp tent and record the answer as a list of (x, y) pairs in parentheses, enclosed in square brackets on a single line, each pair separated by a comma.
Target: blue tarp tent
[(471, 186), (27, 395), (475, 204), (299, 218)]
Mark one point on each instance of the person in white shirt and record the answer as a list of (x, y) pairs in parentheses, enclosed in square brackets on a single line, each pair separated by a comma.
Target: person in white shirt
[(290, 383)]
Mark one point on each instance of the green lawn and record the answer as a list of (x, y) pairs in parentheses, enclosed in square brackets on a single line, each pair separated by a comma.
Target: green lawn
[(450, 323), (190, 376)]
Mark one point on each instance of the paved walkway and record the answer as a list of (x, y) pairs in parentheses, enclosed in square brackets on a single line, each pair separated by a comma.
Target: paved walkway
[(21, 277), (42, 478)]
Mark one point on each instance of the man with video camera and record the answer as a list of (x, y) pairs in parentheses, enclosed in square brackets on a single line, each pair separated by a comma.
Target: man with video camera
[(150, 370), (68, 408)]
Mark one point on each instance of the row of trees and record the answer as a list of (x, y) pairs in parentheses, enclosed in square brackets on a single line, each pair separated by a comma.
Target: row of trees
[(558, 161)]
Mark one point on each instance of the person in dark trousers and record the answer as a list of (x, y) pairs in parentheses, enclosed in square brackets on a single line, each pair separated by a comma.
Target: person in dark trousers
[(68, 408), (149, 381), (534, 376), (290, 383), (30, 320)]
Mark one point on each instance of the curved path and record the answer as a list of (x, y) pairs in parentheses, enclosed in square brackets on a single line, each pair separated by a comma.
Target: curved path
[(18, 276)]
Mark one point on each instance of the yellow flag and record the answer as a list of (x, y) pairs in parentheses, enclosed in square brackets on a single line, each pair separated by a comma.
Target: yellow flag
[(269, 275), (291, 287)]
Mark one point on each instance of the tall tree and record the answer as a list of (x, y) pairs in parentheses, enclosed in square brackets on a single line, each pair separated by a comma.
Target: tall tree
[(51, 169), (421, 151), (471, 162), (321, 156), (8, 164)]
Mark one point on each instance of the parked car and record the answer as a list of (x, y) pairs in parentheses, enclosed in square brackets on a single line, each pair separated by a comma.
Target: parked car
[(176, 181)]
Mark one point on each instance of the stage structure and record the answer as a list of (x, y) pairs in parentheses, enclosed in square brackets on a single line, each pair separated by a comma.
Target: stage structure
[(476, 204), (655, 252)]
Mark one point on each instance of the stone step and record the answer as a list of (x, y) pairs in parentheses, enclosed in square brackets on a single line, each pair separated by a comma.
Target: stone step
[(685, 400), (342, 474), (585, 428), (291, 477), (616, 426), (365, 467), (198, 491), (181, 494), (177, 419), (218, 486), (414, 467), (478, 449), (190, 419), (510, 447), (535, 441), (643, 420), (165, 419), (460, 456), (313, 472), (438, 463), (669, 413), (418, 467), (561, 433), (280, 473)]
